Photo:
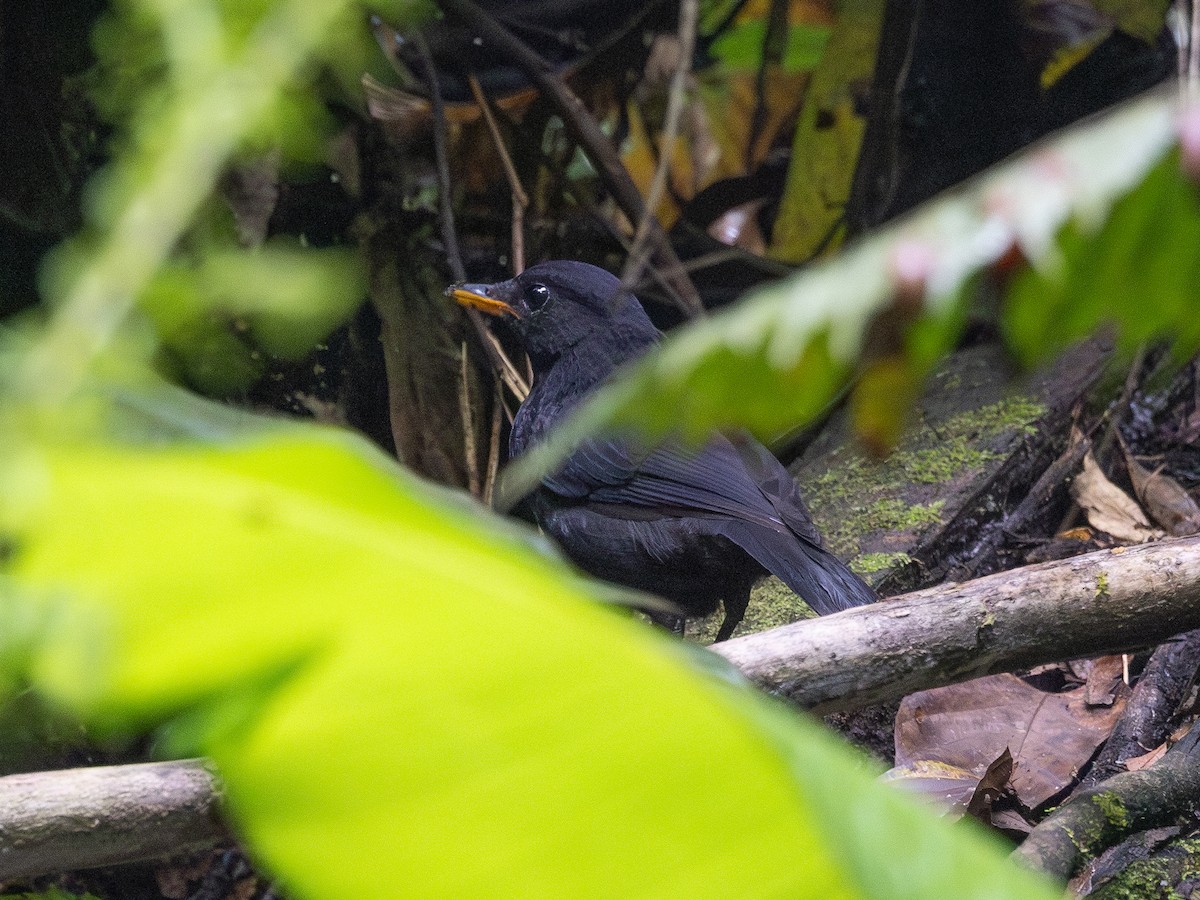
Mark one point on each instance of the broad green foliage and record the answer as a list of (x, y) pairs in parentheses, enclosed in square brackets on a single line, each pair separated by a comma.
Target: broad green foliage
[(1140, 272), (225, 69), (435, 705), (780, 355)]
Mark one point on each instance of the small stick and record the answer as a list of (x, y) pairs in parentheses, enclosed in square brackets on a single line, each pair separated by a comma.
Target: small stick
[(520, 200), (470, 453), (493, 460), (496, 356), (688, 15)]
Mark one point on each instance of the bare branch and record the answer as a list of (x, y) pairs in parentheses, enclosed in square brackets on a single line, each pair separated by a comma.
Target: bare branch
[(82, 818), (1103, 602)]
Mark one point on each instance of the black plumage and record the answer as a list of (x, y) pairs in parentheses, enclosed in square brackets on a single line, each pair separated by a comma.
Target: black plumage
[(693, 526)]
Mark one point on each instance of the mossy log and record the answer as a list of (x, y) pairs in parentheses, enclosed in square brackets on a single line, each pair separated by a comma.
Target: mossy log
[(980, 436)]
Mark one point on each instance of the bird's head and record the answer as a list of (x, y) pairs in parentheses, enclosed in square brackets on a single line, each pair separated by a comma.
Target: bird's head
[(553, 306)]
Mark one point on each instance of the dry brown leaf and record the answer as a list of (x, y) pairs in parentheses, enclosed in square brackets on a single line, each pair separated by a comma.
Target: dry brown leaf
[(1164, 499), (949, 788), (1110, 509), (968, 725), (991, 787), (1076, 534), (1136, 763), (1011, 821), (1103, 677)]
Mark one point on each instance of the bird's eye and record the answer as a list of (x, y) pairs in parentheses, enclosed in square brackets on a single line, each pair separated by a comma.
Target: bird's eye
[(536, 296)]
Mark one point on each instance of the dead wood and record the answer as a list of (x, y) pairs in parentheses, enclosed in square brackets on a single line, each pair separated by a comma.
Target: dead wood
[(1146, 721), (1027, 510), (82, 818), (1103, 602), (1124, 804)]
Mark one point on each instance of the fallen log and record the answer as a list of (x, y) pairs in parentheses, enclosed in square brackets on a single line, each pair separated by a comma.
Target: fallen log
[(1103, 602)]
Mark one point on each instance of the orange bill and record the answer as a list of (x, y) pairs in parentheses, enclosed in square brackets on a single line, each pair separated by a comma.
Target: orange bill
[(467, 297)]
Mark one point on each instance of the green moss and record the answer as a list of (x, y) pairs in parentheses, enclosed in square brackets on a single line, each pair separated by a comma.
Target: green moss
[(772, 603), (1112, 807), (868, 563), (929, 455), (887, 514), (1141, 879), (1017, 413), (939, 465), (1102, 585), (892, 514)]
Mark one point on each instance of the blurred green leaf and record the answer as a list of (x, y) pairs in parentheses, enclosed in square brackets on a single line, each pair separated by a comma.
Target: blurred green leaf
[(214, 74), (1139, 272), (406, 685), (780, 355), (291, 298)]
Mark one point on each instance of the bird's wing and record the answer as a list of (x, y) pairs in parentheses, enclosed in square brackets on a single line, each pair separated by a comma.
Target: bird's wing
[(778, 484), (712, 481)]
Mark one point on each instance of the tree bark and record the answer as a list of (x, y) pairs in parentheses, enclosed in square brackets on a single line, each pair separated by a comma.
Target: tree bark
[(81, 818), (1103, 602), (1145, 723), (1102, 815)]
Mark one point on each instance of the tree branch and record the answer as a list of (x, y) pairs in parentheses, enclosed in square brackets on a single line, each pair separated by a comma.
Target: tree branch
[(1099, 817), (1103, 602), (81, 818)]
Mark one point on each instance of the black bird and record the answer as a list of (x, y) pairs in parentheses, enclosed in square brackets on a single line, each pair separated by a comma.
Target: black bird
[(693, 526)]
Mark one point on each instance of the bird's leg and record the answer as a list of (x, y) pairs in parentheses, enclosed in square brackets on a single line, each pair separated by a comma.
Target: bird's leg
[(735, 609)]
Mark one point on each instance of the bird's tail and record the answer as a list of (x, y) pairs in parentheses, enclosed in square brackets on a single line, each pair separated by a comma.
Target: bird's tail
[(822, 580)]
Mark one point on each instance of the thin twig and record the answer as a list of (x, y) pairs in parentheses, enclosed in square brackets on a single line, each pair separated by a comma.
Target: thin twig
[(470, 451), (493, 459), (520, 200), (496, 356), (688, 14), (510, 170), (1132, 380), (587, 132), (513, 380), (773, 48), (442, 161)]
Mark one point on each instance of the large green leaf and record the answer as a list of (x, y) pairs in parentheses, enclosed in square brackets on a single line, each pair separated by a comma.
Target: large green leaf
[(777, 358), (404, 700)]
